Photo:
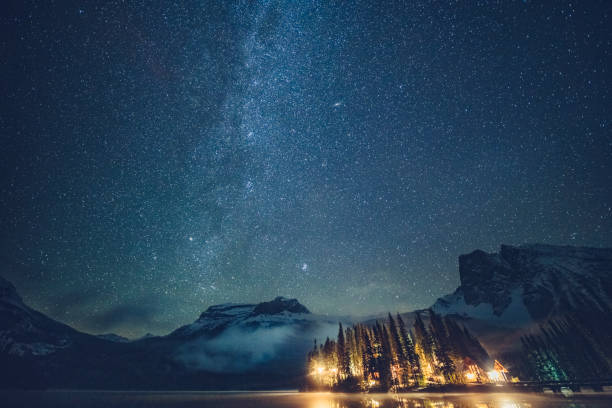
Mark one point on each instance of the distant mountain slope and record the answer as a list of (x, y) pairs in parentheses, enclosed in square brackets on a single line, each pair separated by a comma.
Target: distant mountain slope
[(36, 351), (113, 337), (506, 295), (235, 337), (233, 345), (264, 345), (530, 283), (24, 331), (280, 311)]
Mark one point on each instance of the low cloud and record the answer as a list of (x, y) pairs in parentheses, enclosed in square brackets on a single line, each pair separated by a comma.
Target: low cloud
[(237, 349), (122, 316), (241, 348)]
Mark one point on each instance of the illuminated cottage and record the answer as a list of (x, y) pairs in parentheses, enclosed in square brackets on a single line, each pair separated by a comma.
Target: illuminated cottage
[(472, 371), (499, 374)]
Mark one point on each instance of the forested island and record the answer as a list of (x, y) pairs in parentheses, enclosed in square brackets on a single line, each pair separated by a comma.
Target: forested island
[(443, 354), (388, 356)]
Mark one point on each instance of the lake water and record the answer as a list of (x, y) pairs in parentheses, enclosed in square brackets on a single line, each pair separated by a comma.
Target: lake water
[(105, 399)]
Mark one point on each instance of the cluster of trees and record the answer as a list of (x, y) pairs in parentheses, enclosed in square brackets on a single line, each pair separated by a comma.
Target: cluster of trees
[(388, 355), (577, 346)]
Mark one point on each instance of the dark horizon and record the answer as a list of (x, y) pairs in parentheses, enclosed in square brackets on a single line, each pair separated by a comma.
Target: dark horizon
[(156, 161)]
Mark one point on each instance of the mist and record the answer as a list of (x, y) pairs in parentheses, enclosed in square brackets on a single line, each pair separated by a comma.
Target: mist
[(241, 349)]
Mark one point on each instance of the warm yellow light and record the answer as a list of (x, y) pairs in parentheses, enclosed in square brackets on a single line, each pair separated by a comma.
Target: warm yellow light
[(494, 375), (470, 376), (334, 370), (320, 370)]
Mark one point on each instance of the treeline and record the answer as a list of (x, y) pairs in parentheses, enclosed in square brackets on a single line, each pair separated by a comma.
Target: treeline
[(577, 346), (388, 355)]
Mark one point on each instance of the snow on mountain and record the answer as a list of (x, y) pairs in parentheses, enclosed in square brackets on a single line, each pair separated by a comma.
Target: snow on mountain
[(24, 331), (228, 345), (280, 311), (529, 283), (500, 295), (215, 318), (270, 336), (280, 305), (234, 336)]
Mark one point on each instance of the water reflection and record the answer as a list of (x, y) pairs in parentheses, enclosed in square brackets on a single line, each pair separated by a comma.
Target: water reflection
[(168, 399), (447, 401)]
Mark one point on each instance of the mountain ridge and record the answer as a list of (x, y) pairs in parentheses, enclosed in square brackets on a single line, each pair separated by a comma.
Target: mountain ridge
[(236, 344), (530, 283)]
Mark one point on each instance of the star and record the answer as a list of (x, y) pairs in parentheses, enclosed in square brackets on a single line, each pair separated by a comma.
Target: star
[(293, 134)]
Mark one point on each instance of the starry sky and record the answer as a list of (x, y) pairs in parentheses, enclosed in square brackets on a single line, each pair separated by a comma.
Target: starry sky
[(160, 158)]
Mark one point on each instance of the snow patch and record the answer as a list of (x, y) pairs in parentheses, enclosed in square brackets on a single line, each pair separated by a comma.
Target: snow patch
[(515, 314)]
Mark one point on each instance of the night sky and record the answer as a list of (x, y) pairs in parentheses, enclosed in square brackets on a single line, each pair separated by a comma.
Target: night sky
[(160, 158)]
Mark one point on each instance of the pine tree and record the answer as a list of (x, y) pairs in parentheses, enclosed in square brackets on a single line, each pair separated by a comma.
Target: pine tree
[(384, 359), (344, 367), (356, 353), (330, 356), (368, 359), (424, 346), (411, 356), (479, 354), (390, 355), (442, 348), (395, 342)]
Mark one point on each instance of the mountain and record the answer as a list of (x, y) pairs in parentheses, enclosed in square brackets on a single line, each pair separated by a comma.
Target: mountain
[(36, 350), (504, 296), (530, 283), (26, 332), (146, 336), (229, 346), (263, 339), (263, 345), (113, 337), (280, 311)]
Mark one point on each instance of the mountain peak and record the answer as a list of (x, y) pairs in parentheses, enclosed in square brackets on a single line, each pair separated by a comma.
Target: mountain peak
[(227, 308), (533, 281), (278, 305), (218, 317), (8, 291)]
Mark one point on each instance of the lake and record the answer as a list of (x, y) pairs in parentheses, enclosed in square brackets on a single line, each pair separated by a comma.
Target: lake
[(291, 399)]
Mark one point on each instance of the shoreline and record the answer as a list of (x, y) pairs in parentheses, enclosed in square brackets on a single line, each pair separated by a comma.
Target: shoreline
[(485, 389), (435, 390)]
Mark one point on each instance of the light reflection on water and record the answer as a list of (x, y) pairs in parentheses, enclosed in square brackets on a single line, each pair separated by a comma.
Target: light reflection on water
[(142, 399), (456, 401)]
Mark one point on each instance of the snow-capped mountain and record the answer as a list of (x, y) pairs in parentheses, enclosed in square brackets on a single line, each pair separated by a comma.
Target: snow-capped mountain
[(280, 311), (264, 345), (530, 283), (24, 331), (230, 345), (236, 337)]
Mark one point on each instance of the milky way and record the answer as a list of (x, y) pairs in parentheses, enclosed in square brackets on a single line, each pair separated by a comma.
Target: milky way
[(158, 159)]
